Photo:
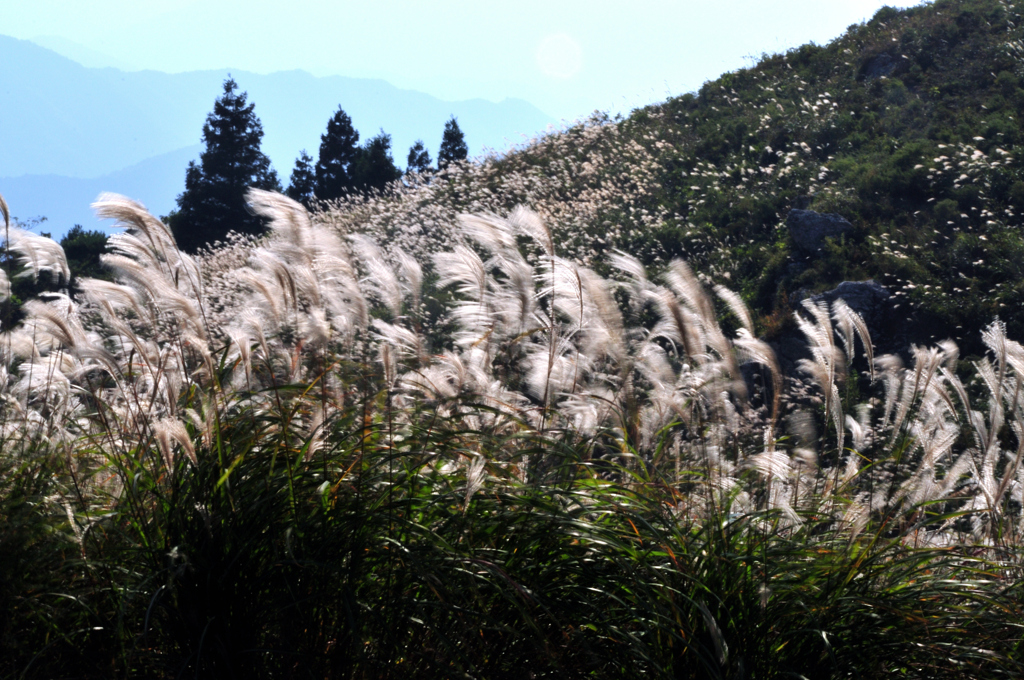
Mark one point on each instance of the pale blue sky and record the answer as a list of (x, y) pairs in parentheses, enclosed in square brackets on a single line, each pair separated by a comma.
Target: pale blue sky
[(568, 57)]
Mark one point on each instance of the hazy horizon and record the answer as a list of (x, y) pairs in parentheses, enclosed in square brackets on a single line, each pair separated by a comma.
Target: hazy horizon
[(567, 59)]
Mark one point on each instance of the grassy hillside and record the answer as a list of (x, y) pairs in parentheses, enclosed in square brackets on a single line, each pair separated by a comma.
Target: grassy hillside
[(907, 126)]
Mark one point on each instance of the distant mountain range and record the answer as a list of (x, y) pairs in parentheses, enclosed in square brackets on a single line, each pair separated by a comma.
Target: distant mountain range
[(71, 131)]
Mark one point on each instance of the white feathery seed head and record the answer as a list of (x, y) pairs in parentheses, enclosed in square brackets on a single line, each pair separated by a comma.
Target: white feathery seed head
[(5, 212), (38, 254)]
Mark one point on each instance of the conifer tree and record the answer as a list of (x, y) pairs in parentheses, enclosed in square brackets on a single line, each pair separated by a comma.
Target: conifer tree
[(418, 159), (373, 167), (453, 145), (338, 150), (213, 202), (302, 185)]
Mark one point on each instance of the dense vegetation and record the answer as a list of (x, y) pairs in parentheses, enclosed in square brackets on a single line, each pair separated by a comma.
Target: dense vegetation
[(391, 440), (908, 126), (251, 467), (82, 249)]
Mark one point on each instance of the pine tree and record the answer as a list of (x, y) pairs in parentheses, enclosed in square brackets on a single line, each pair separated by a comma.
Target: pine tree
[(83, 250), (373, 167), (453, 145), (302, 185), (418, 159), (338, 150), (213, 202)]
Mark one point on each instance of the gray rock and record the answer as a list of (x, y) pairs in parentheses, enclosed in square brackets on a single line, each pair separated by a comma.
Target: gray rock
[(871, 300), (809, 229), (878, 66)]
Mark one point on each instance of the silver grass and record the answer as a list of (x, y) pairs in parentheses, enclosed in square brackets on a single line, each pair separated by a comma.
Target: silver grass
[(529, 223), (1013, 462), (309, 291), (314, 328), (37, 254), (43, 381), (684, 284), (131, 214), (604, 334), (476, 322), (384, 285), (131, 245), (270, 293), (677, 324), (850, 322), (200, 347), (389, 363), (473, 365), (185, 310), (149, 241), (825, 354), (857, 432), (161, 292), (204, 420), (464, 269), (380, 276), (475, 477), (758, 351), (412, 272), (241, 341), (654, 364), (281, 272), (433, 381), (170, 431), (515, 302), (737, 306), (589, 410), (554, 373), (489, 231), (993, 377), (855, 518), (630, 266), (57, 321), (682, 281), (288, 219), (347, 305), (112, 297), (399, 337), (560, 280), (5, 212), (924, 485), (251, 323), (823, 373), (891, 368), (296, 295), (827, 359)]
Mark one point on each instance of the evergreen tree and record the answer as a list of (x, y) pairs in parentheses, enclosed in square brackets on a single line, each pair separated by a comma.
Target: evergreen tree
[(82, 249), (453, 145), (419, 158), (373, 167), (213, 202), (338, 150), (302, 185)]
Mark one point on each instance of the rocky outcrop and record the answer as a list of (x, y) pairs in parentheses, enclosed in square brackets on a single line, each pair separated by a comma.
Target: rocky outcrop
[(880, 65), (874, 303), (871, 300), (809, 229)]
